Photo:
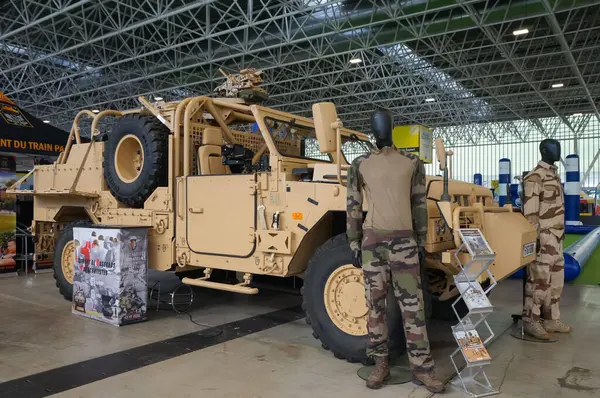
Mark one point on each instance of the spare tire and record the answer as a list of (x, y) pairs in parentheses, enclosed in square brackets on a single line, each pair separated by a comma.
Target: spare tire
[(135, 158)]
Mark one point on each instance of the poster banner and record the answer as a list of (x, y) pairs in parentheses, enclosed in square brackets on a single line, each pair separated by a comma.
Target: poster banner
[(22, 132), (110, 278), (415, 139), (8, 216)]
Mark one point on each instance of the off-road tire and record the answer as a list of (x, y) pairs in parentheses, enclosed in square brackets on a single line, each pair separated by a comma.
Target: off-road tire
[(66, 235), (153, 136), (331, 255)]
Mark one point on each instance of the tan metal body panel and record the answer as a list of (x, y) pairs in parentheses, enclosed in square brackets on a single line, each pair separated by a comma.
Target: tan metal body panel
[(212, 225), (298, 217), (324, 172), (507, 234), (61, 177), (47, 207)]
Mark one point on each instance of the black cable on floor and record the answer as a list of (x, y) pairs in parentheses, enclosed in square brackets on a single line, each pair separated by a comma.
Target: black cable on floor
[(203, 333)]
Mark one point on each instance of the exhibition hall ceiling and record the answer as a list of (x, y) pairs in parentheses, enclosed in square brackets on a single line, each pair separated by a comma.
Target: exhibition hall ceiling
[(438, 62)]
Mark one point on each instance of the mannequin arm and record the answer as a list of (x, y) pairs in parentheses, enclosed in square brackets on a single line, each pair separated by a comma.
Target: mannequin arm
[(419, 203), (354, 209), (531, 202)]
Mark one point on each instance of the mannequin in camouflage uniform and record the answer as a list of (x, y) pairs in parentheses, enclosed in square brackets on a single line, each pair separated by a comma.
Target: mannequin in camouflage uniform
[(388, 247), (544, 208)]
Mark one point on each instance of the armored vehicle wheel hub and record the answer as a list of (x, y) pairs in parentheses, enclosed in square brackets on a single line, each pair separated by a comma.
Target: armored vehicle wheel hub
[(129, 158), (345, 300), (68, 261)]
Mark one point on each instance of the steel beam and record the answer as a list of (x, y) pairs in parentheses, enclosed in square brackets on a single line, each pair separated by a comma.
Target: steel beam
[(569, 55)]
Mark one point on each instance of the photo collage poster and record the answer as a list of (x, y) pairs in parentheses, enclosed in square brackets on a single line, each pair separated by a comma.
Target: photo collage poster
[(110, 280)]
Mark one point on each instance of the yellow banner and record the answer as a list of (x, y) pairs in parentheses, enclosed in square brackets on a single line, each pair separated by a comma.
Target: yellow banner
[(415, 139)]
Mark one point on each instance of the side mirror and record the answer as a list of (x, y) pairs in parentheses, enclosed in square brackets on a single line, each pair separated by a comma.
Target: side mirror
[(325, 117), (440, 151)]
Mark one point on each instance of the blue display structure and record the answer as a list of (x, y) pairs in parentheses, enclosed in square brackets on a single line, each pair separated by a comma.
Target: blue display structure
[(503, 181), (110, 278), (572, 188)]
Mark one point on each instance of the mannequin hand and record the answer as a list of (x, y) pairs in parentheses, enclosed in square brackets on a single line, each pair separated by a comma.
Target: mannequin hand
[(357, 258)]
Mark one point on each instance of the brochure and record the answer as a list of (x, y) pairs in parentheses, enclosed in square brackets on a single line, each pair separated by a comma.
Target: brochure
[(471, 345), (476, 243), (474, 297)]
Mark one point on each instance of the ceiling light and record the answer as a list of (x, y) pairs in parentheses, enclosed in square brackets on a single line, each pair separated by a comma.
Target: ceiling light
[(429, 99), (158, 98), (46, 121), (519, 32), (355, 61), (578, 114), (96, 111), (557, 85)]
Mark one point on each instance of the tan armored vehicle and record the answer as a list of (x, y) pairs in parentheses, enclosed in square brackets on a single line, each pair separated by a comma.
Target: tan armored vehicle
[(222, 184)]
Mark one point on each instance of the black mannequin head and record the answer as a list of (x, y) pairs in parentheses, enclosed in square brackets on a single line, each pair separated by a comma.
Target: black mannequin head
[(550, 150), (381, 127)]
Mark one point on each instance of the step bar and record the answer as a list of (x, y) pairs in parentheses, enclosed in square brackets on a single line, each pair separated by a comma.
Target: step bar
[(242, 288)]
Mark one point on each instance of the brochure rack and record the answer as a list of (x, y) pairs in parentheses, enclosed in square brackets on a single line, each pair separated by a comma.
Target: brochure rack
[(472, 379)]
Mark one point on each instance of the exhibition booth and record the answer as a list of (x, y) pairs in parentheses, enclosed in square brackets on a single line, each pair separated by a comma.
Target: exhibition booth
[(24, 142)]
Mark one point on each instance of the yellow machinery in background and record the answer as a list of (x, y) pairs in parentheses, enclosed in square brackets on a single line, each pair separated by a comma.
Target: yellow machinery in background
[(415, 139)]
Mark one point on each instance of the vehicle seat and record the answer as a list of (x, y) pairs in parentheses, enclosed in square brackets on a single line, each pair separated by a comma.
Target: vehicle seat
[(209, 152)]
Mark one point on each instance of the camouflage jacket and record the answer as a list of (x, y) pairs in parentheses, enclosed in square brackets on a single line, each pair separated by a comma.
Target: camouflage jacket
[(394, 184), (543, 200)]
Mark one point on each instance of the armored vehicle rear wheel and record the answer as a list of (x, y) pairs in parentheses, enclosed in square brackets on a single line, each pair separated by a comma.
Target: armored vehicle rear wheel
[(64, 260), (335, 305), (135, 158)]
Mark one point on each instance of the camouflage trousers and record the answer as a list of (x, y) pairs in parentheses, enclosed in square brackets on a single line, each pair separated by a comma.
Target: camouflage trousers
[(393, 258), (546, 278)]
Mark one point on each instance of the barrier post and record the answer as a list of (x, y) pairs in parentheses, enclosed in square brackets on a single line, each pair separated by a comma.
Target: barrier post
[(504, 182), (572, 190)]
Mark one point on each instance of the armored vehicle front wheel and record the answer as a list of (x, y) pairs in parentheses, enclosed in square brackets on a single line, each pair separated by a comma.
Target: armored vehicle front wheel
[(135, 159), (64, 261), (335, 304)]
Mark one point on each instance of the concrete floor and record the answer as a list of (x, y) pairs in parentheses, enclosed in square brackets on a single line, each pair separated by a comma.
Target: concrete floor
[(38, 333)]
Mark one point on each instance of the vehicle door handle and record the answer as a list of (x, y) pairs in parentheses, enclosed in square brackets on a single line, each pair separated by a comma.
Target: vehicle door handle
[(198, 210), (180, 198)]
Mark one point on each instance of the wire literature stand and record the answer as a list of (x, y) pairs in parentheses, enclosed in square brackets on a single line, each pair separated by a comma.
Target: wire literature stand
[(472, 379)]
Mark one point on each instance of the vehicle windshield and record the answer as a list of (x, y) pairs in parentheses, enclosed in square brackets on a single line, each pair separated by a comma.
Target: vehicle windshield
[(353, 148), (297, 138)]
